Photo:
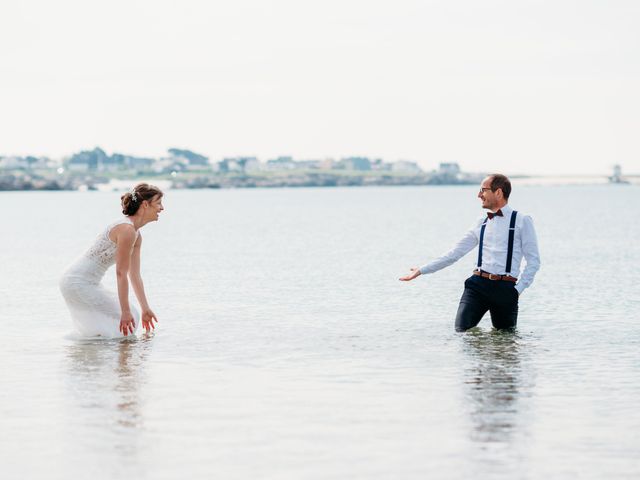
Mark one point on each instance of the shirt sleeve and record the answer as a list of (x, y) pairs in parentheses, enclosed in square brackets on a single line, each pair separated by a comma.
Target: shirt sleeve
[(529, 252), (460, 249)]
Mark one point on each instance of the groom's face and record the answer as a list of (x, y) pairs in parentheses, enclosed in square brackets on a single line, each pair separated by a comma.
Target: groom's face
[(488, 197)]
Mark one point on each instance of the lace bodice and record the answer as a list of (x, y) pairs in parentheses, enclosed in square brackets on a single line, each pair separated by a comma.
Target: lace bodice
[(95, 310), (101, 255)]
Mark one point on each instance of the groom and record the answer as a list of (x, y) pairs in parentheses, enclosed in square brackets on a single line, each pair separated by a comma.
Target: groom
[(504, 236)]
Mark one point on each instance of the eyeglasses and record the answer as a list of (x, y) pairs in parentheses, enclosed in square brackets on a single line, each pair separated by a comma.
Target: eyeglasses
[(485, 189)]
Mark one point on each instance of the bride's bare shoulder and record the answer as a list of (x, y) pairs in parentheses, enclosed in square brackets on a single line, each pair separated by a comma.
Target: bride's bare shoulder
[(122, 232)]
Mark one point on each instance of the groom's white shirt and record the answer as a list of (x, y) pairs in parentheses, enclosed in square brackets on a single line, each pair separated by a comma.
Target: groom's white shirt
[(495, 245)]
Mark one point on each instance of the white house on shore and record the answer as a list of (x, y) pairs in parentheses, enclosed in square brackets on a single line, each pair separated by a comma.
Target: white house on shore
[(14, 162), (405, 166), (448, 169)]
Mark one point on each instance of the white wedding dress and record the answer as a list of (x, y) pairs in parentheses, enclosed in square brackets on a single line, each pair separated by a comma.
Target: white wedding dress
[(94, 309)]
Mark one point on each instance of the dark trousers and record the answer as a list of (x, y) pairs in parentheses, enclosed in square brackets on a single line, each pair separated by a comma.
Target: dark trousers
[(481, 294)]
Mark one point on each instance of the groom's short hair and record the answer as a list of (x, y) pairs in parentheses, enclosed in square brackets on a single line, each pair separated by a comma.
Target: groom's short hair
[(499, 181)]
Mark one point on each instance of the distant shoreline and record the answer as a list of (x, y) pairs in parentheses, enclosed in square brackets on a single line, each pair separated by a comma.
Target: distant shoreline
[(185, 169), (10, 181), (16, 181)]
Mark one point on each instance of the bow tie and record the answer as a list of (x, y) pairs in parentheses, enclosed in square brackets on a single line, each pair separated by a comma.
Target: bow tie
[(497, 214)]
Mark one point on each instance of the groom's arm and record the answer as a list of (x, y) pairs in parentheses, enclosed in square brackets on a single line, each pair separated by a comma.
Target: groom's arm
[(460, 249), (530, 253), (467, 243)]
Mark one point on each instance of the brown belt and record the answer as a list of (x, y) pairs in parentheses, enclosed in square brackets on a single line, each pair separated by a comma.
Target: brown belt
[(492, 276)]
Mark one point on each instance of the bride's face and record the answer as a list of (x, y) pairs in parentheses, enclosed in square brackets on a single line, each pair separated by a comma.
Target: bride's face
[(154, 207)]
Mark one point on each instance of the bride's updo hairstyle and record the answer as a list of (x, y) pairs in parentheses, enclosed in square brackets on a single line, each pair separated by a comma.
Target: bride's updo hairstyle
[(132, 200)]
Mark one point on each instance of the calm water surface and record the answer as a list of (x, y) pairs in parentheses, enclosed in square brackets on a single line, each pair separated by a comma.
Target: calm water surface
[(288, 349)]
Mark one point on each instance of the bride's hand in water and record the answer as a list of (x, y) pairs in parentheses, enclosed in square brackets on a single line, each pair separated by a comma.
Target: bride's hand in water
[(148, 317), (127, 323)]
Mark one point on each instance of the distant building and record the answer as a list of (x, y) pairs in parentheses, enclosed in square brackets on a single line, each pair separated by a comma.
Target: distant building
[(88, 160), (309, 164), (238, 164), (449, 174), (190, 160), (380, 165), (326, 164), (141, 164), (112, 163), (405, 166), (14, 163), (252, 164), (617, 175), (356, 163), (169, 165), (617, 171), (97, 160), (281, 163), (448, 169)]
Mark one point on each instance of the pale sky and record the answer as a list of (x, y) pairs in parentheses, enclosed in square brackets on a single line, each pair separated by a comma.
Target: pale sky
[(518, 86)]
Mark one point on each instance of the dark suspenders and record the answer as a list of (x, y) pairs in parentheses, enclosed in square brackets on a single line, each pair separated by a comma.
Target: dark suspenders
[(484, 224), (512, 234)]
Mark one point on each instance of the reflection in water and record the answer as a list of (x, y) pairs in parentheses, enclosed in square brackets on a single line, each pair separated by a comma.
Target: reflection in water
[(495, 384), (105, 378)]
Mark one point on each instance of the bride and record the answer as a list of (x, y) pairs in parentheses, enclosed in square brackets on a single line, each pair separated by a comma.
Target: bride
[(95, 310)]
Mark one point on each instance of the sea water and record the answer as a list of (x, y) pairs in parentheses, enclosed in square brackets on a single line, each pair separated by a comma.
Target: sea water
[(287, 348)]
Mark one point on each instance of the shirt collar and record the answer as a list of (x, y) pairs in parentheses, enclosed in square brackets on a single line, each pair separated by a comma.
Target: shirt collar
[(506, 211)]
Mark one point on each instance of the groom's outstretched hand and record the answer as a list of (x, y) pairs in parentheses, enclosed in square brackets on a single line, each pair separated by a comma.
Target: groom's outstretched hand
[(415, 272), (148, 317)]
